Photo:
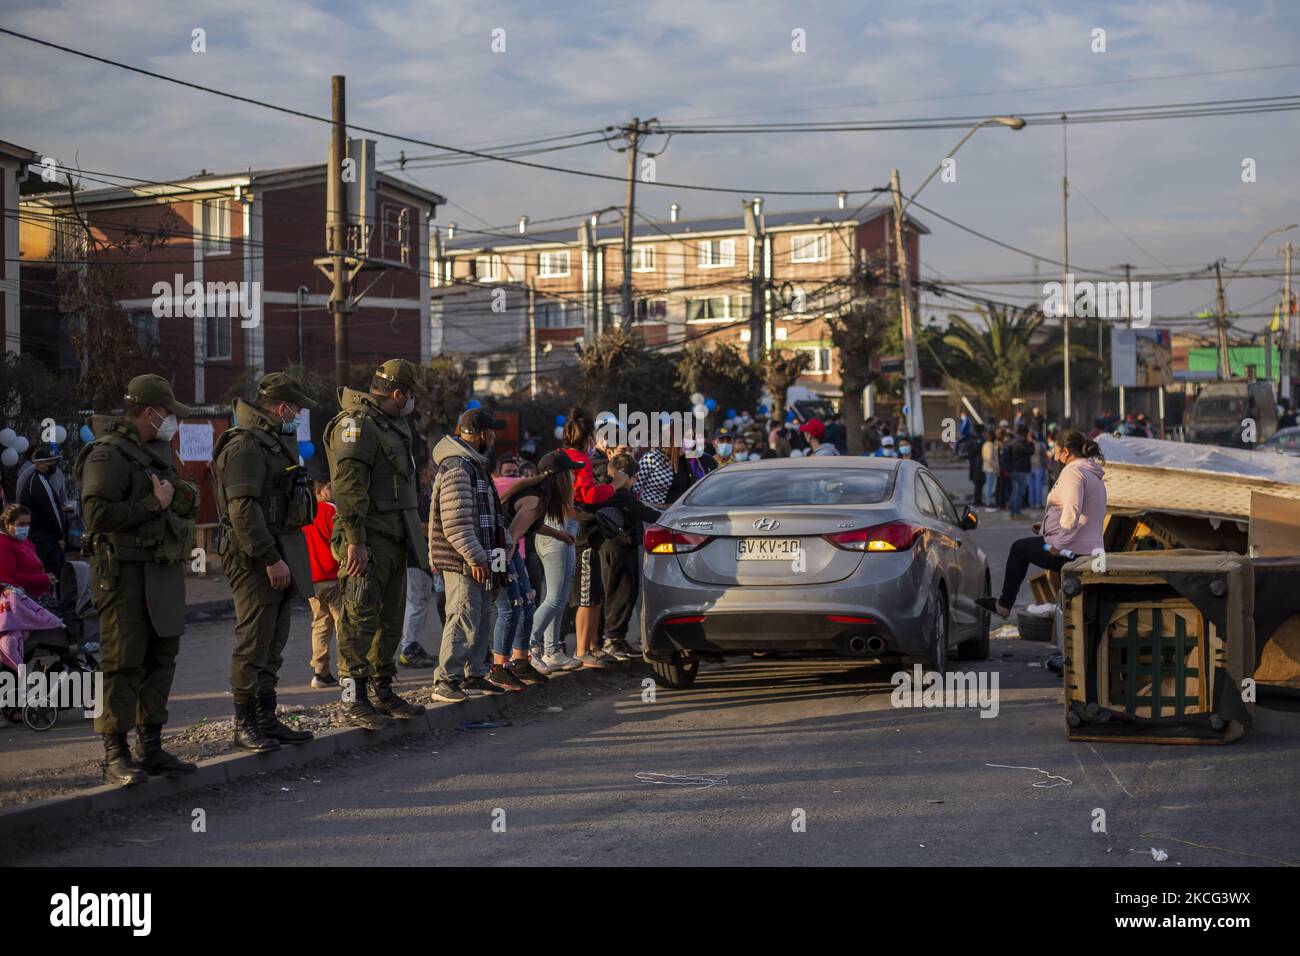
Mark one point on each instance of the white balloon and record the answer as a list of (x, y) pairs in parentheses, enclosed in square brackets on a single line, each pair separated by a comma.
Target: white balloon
[(559, 431), (697, 398), (755, 456), (21, 444), (796, 453), (9, 458), (701, 410), (7, 436), (60, 434)]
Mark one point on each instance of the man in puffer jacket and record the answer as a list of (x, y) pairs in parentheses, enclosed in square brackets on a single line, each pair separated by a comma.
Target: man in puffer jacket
[(469, 545)]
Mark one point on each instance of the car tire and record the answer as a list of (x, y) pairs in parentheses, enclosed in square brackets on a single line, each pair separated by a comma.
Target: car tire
[(937, 637), (977, 648), (675, 674)]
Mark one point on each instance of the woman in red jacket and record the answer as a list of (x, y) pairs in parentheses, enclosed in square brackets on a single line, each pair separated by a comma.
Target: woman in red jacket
[(587, 593), (19, 565)]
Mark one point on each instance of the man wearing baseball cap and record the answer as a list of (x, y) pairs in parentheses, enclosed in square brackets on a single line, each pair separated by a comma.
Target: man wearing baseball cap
[(264, 500), (139, 517), (814, 432), (469, 545), (376, 537)]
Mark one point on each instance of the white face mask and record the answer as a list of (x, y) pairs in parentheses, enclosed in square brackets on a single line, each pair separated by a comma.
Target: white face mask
[(167, 428), (291, 426), (409, 407), (724, 450)]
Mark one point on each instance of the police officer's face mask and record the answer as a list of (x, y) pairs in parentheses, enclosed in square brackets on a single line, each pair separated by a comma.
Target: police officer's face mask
[(291, 426), (167, 427), (409, 407)]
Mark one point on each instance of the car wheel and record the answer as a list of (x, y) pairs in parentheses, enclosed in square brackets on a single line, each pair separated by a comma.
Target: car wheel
[(977, 648), (675, 674), (937, 652)]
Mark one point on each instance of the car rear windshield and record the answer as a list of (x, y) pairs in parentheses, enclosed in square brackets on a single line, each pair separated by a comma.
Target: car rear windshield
[(775, 487)]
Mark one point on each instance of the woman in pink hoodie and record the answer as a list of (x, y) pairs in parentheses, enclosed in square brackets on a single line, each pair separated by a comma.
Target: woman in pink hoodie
[(1071, 526)]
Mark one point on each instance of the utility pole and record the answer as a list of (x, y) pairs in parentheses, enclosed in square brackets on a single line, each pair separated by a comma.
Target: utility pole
[(1221, 320), (1287, 331), (634, 139), (757, 279), (1128, 316), (338, 219), (1065, 236), (911, 370)]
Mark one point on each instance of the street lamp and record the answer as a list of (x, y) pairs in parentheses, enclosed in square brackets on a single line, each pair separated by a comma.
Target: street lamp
[(911, 370)]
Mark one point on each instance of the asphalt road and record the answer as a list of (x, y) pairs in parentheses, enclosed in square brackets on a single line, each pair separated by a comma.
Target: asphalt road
[(762, 762)]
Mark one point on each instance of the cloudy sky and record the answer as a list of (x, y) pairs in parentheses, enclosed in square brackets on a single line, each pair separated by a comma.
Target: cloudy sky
[(1166, 196)]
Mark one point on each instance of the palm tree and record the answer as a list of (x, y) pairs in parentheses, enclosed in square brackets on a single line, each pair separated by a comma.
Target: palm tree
[(1011, 353)]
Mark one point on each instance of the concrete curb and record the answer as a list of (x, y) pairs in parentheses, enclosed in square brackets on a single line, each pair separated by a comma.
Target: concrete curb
[(229, 768)]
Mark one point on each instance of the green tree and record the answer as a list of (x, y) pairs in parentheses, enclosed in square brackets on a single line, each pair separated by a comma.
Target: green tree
[(720, 372), (617, 367), (781, 368), (858, 333)]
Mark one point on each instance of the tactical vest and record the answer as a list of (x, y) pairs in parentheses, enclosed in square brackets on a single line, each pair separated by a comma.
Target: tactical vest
[(392, 473), (168, 537), (286, 496)]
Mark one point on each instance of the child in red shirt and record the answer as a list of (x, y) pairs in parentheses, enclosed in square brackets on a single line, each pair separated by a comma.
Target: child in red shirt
[(326, 604)]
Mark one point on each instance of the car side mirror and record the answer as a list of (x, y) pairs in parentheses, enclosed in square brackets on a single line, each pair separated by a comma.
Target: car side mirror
[(968, 520)]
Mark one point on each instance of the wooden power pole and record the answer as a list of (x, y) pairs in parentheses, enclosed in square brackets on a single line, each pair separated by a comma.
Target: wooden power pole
[(911, 368), (338, 219), (1221, 321), (1284, 373), (633, 142)]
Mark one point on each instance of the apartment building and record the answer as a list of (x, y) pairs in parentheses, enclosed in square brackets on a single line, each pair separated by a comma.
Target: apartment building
[(249, 243), (691, 282)]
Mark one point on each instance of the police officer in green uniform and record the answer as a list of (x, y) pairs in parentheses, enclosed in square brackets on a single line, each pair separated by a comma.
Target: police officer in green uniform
[(139, 517), (376, 537), (264, 500)]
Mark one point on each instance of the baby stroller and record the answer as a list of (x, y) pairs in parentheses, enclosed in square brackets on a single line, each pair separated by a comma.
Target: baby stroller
[(52, 650)]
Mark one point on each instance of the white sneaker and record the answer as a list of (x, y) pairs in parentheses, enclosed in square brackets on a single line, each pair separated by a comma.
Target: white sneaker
[(539, 664), (561, 661)]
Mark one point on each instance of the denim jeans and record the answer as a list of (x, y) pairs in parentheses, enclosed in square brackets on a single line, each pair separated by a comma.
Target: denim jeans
[(1037, 485), (990, 489), (514, 625), (467, 629), (419, 591), (558, 560), (1019, 482)]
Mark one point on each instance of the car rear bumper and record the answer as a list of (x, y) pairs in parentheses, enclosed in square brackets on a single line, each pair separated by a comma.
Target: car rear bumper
[(889, 599)]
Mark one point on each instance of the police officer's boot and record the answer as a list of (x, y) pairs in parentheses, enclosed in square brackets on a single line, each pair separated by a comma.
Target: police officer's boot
[(359, 711), (119, 766), (153, 758), (270, 725), (392, 703), (248, 735)]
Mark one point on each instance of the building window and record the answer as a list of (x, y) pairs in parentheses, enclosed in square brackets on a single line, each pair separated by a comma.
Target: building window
[(717, 252), (145, 324), (488, 268), (821, 358), (651, 310), (810, 248), (553, 265), (717, 308), (216, 227), (643, 259), (395, 243), (557, 315), (217, 337)]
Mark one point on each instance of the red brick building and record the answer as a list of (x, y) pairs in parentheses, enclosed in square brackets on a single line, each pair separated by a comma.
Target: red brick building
[(249, 241), (691, 282)]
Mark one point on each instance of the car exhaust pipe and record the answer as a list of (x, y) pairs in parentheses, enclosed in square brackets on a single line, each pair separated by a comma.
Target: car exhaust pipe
[(858, 645), (876, 644)]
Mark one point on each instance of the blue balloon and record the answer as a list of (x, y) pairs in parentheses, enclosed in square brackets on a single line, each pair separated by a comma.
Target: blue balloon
[(731, 413), (789, 416), (762, 409), (559, 421), (711, 404), (473, 403), (306, 449), (86, 434)]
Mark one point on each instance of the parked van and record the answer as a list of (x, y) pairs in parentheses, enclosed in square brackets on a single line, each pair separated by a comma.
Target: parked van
[(1222, 408)]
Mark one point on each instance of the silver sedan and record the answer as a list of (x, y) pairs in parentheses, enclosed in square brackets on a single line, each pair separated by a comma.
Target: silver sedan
[(850, 556)]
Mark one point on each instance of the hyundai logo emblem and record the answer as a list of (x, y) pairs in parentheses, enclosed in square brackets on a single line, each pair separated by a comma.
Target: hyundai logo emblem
[(767, 524)]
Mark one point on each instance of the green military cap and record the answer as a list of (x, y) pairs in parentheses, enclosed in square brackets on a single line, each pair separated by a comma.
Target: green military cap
[(282, 388), (399, 373), (154, 391)]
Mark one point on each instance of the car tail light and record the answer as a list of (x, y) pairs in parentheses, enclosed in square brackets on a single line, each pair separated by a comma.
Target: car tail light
[(849, 619), (688, 619), (659, 540), (894, 536)]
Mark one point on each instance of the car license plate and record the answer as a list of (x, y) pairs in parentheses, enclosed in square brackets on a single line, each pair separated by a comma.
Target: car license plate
[(767, 549)]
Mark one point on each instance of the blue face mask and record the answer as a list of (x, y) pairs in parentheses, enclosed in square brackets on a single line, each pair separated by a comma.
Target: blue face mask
[(22, 531)]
